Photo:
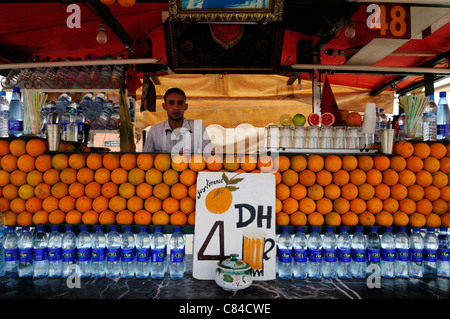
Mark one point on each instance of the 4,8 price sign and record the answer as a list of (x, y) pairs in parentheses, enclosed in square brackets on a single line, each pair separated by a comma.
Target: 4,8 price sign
[(389, 20)]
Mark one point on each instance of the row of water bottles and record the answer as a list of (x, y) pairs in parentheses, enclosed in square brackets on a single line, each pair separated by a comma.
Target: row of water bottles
[(358, 255), (96, 255)]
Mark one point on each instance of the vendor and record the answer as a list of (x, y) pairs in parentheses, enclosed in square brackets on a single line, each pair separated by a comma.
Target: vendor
[(177, 134)]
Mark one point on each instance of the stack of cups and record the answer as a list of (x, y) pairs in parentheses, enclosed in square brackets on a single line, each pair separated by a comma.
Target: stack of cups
[(368, 126)]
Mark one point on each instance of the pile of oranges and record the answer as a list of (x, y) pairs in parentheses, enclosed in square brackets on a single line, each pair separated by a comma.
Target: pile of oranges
[(409, 188)]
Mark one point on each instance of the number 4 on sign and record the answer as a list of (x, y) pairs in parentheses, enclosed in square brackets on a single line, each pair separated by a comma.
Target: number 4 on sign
[(390, 20), (201, 253)]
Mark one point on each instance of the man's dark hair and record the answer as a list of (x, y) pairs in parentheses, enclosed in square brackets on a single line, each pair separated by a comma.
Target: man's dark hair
[(174, 90)]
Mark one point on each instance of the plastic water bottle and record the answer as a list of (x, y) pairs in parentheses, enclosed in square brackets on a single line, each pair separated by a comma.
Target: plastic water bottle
[(383, 120), (117, 71), (3, 231), (443, 256), (416, 254), (431, 245), (98, 253), (40, 251), (143, 265), (43, 119), (96, 106), (387, 253), (61, 104), (429, 121), (443, 117), (25, 245), (285, 254), (158, 248), (15, 115), (373, 249), (127, 248), (4, 114), (105, 70), (114, 119), (300, 254), (85, 103), (84, 252), (55, 253), (329, 263), (52, 117), (177, 243), (79, 119), (401, 126), (69, 245), (344, 250), (315, 254), (377, 126), (359, 260), (401, 253), (106, 112), (113, 240), (11, 252)]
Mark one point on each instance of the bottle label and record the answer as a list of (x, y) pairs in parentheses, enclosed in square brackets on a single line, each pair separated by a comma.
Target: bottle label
[(54, 254), (142, 254), (112, 254), (158, 255), (443, 129), (300, 255), (83, 254), (98, 254), (39, 254), (344, 255), (127, 254), (430, 255), (443, 254), (359, 255), (15, 125), (388, 255), (315, 255), (416, 255), (68, 255), (329, 255), (80, 126), (25, 254), (285, 255), (373, 255), (11, 254), (176, 255), (402, 254)]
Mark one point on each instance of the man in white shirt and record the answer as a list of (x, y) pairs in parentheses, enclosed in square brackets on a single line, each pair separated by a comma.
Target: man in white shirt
[(177, 134)]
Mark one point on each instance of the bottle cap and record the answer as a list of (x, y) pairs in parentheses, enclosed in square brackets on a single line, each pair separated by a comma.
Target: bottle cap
[(330, 229), (55, 227), (284, 229), (2, 93), (300, 229), (388, 229), (98, 228), (16, 89), (344, 228), (176, 228), (142, 228), (442, 94), (431, 96)]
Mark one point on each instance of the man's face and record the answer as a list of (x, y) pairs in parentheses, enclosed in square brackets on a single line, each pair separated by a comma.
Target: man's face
[(175, 105)]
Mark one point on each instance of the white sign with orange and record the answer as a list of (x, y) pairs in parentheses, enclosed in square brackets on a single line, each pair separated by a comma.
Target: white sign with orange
[(235, 214)]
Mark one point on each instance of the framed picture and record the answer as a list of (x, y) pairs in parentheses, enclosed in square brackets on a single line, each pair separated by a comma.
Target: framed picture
[(226, 10)]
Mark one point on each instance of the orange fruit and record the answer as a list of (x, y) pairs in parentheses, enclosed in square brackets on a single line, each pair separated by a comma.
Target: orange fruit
[(365, 162), (17, 147), (315, 162), (416, 192), (107, 217), (59, 190), (324, 206), (179, 191), (93, 189), (424, 206), (246, 162), (50, 204), (316, 219), (390, 177), (135, 204), (187, 205), (56, 217), (191, 218), (307, 205), (4, 147), (111, 161), (180, 162), (324, 177), (218, 200), (142, 217), (161, 191), (374, 205), (144, 190), (25, 163), (440, 179), (42, 190), (349, 191), (33, 204), (298, 219), (51, 176), (366, 219), (406, 177), (170, 205), (349, 163), (298, 191), (76, 190), (333, 219), (431, 164), (231, 163), (404, 148), (19, 178), (8, 163), (390, 205), (102, 175), (445, 193), (124, 217), (357, 205), (399, 191), (26, 191), (424, 178), (432, 192), (374, 177), (398, 163), (94, 161), (421, 150), (407, 205), (433, 220), (438, 150), (34, 177), (119, 175), (77, 160), (307, 177), (153, 176), (341, 205), (171, 176), (281, 163), (440, 206), (315, 192), (264, 163), (417, 220), (289, 205), (117, 203), (4, 204), (381, 162), (384, 219), (4, 178), (110, 189), (60, 161), (10, 218), (333, 163), (349, 219), (83, 204), (414, 163), (136, 176), (341, 177), (444, 165), (144, 161), (282, 191), (90, 217), (128, 161), (68, 175), (85, 175), (197, 162), (100, 204), (160, 218), (73, 217), (178, 218), (298, 163), (17, 205), (67, 203), (24, 218), (125, 3), (192, 191), (357, 176), (35, 147), (188, 177), (153, 204), (289, 177), (10, 191), (445, 220), (282, 219), (332, 191)]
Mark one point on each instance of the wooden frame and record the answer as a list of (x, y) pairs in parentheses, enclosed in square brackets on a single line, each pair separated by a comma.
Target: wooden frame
[(226, 10)]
